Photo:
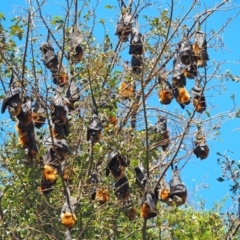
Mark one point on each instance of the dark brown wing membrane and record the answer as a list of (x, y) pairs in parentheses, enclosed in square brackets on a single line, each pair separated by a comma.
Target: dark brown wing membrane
[(49, 58)]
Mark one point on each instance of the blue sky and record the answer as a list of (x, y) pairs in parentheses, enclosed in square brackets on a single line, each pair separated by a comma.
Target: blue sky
[(196, 172)]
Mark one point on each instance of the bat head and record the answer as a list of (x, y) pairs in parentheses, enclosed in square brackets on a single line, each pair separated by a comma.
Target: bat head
[(165, 96), (102, 195), (68, 219), (183, 96), (201, 151), (50, 173)]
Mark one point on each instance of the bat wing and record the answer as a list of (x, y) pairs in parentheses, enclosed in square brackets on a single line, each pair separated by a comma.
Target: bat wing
[(185, 52), (95, 124), (136, 45), (197, 91), (150, 201), (161, 125), (11, 98), (58, 106), (76, 37), (49, 156), (121, 185), (49, 58)]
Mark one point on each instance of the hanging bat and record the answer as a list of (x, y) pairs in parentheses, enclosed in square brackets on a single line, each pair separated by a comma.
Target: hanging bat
[(38, 113), (163, 191), (178, 82), (60, 78), (182, 96), (94, 129), (60, 131), (50, 166), (199, 101), (76, 51), (50, 171), (121, 187), (116, 165), (129, 209), (72, 95), (68, 212), (58, 110), (93, 181), (27, 139), (137, 40), (126, 90), (60, 74), (49, 58), (136, 62), (201, 148), (179, 79), (200, 49), (101, 195), (161, 129), (178, 190), (165, 91), (23, 133), (32, 150), (25, 116), (61, 147), (141, 177), (148, 205), (67, 172), (124, 25), (186, 52), (12, 99), (110, 105), (187, 58), (50, 174)]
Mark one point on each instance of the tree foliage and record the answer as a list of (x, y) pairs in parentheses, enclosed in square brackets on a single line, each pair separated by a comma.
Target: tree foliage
[(129, 123)]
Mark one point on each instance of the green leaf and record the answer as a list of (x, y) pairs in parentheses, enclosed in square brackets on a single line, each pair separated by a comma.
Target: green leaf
[(220, 179), (101, 21), (207, 113), (108, 7), (57, 20), (2, 17)]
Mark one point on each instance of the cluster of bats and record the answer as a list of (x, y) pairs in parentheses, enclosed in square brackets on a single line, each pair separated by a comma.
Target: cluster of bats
[(31, 115), (174, 194), (188, 58)]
